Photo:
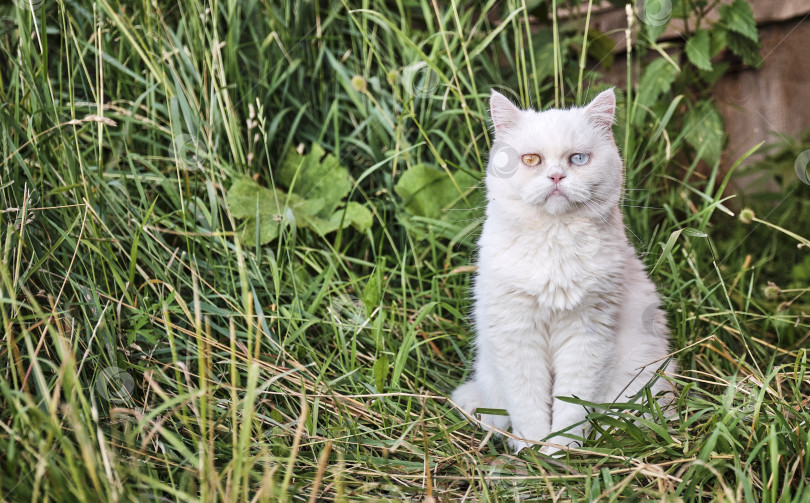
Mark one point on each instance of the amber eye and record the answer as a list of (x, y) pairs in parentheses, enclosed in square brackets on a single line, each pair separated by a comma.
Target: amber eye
[(531, 159)]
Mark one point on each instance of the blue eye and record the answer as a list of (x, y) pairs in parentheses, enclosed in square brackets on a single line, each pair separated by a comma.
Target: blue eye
[(579, 159)]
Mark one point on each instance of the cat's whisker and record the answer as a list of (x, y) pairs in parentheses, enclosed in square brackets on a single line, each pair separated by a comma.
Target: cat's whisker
[(642, 207)]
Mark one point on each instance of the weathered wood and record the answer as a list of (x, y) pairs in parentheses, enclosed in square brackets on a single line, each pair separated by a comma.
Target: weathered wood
[(756, 104), (613, 20), (759, 105)]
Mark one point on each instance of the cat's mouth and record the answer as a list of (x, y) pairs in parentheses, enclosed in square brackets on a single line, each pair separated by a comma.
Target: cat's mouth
[(556, 192)]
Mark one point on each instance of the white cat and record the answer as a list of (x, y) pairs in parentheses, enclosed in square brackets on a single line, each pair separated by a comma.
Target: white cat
[(563, 306)]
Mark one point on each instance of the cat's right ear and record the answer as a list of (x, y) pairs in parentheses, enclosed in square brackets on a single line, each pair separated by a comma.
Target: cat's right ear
[(602, 110), (504, 114)]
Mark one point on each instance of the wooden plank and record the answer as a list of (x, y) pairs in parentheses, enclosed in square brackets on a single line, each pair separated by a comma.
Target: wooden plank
[(613, 20)]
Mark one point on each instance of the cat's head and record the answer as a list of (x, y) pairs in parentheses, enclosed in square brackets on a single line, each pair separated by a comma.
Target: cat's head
[(555, 162)]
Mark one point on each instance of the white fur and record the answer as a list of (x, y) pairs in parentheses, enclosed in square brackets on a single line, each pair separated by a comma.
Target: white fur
[(560, 296)]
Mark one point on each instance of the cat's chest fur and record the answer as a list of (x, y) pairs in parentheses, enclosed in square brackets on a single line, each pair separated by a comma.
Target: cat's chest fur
[(564, 263)]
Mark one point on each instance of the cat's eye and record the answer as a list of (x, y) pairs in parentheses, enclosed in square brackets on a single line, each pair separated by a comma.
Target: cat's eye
[(579, 159), (531, 159)]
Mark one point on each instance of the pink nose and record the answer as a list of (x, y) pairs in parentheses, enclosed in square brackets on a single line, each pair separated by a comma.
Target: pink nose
[(556, 178)]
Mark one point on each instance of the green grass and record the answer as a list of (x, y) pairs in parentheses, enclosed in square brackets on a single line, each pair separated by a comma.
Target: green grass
[(152, 351)]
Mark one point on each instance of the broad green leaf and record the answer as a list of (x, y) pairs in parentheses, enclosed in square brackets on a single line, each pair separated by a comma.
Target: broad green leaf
[(373, 293), (316, 176), (418, 187), (247, 198), (739, 17), (357, 215), (704, 132), (276, 416), (269, 209), (353, 214), (428, 192), (745, 48), (719, 40), (381, 367), (656, 80), (323, 226), (711, 78), (698, 49), (268, 230)]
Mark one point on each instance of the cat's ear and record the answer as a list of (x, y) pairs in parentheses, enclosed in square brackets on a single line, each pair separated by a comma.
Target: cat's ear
[(504, 114), (602, 110)]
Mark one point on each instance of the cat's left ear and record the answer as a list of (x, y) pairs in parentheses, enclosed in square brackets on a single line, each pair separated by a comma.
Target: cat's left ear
[(602, 110)]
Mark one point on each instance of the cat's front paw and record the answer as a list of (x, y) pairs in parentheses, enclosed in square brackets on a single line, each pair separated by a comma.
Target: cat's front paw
[(549, 451), (562, 442), (469, 398), (518, 445)]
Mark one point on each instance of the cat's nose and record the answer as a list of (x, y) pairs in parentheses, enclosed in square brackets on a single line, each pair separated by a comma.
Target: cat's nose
[(556, 177)]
